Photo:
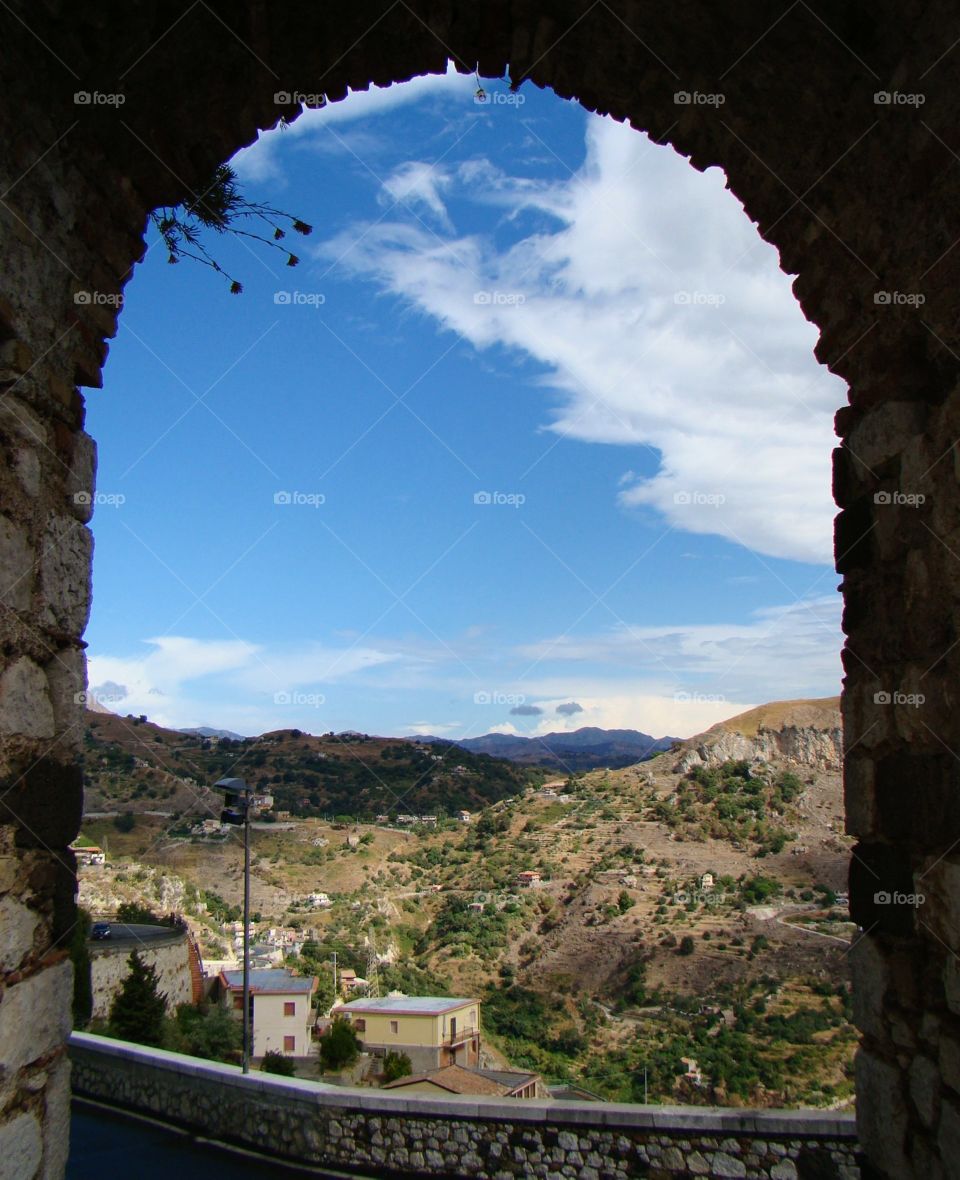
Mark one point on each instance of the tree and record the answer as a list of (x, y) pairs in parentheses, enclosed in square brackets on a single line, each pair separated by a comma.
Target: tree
[(219, 206), (137, 914), (275, 1062), (205, 1031), (686, 945), (125, 822), (138, 1011), (396, 1065), (339, 1045), (80, 956)]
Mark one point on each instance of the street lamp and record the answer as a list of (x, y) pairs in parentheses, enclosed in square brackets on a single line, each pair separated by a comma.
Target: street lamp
[(237, 812)]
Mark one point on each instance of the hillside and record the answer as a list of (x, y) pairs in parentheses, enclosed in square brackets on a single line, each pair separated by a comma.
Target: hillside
[(582, 749), (131, 763), (627, 957)]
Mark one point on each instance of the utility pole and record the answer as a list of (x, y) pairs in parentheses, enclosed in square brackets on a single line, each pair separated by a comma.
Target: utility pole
[(373, 969), (246, 936), (334, 976), (237, 812)]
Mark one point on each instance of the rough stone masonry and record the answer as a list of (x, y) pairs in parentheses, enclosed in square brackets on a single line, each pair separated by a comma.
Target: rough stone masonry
[(838, 133)]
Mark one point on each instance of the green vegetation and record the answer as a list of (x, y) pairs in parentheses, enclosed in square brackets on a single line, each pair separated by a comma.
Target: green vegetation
[(735, 801), (339, 1045), (80, 957), (396, 1065), (275, 1062), (139, 1008)]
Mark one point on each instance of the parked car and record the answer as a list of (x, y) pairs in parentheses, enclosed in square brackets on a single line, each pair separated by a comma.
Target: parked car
[(101, 930)]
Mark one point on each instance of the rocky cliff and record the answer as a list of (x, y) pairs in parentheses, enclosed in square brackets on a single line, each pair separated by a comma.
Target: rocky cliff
[(808, 733)]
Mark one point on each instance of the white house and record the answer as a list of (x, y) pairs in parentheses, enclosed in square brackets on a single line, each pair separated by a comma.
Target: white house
[(280, 1009)]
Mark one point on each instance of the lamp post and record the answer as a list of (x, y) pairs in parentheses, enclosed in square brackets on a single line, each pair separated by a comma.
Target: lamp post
[(237, 812)]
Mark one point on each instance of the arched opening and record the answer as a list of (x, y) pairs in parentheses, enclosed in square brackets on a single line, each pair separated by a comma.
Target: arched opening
[(812, 162), (632, 287)]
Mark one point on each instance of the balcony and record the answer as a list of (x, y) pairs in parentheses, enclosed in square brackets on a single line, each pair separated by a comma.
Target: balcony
[(460, 1037)]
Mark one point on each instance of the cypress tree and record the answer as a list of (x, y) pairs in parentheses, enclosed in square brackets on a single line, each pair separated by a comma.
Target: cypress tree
[(139, 1008)]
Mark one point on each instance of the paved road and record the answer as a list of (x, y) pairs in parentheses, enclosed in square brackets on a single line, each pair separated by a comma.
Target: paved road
[(104, 1145), (133, 934)]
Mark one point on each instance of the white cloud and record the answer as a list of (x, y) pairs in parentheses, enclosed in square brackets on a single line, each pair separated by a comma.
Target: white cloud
[(664, 323), (417, 183), (318, 125), (785, 650)]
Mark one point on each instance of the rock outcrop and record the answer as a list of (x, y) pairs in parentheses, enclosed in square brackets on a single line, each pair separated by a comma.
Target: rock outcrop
[(808, 733)]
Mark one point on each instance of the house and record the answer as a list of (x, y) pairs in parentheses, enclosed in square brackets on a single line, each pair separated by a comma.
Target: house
[(694, 1073), (91, 855), (456, 1081), (529, 879), (464, 817), (706, 882), (350, 981), (319, 901), (433, 1031), (353, 840), (280, 1008)]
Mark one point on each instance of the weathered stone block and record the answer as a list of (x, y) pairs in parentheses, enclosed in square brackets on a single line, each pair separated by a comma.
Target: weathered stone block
[(16, 566), (25, 706), (65, 575), (21, 1147)]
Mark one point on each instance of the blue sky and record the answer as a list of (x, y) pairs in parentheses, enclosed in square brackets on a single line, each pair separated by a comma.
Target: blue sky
[(535, 424)]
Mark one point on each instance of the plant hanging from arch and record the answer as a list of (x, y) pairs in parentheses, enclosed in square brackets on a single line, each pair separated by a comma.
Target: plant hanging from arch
[(219, 206)]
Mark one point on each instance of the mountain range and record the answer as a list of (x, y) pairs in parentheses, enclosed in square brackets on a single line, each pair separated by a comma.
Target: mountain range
[(583, 749)]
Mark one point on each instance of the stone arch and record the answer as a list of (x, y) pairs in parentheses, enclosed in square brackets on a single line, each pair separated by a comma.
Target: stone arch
[(859, 195)]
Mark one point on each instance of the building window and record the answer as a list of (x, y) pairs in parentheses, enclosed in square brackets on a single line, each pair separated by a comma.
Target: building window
[(395, 1027), (289, 1044), (289, 1007), (238, 1001), (360, 1025)]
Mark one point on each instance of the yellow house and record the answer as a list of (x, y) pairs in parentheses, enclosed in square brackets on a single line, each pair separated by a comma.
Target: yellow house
[(433, 1031)]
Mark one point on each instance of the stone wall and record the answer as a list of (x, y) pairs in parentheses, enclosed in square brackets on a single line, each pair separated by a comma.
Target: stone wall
[(858, 191), (388, 1135), (169, 956)]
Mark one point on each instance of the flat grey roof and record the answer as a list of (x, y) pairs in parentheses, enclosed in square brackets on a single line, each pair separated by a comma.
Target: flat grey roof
[(270, 981), (408, 1005)]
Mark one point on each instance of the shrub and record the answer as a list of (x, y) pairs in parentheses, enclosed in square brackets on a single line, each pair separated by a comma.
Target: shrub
[(275, 1062), (686, 945), (396, 1065), (339, 1045)]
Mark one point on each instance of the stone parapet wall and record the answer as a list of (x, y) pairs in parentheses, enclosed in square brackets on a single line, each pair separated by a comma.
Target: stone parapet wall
[(377, 1133)]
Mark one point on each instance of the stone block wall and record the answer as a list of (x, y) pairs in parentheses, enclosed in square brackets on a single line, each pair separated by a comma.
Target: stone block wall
[(169, 956), (383, 1134)]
